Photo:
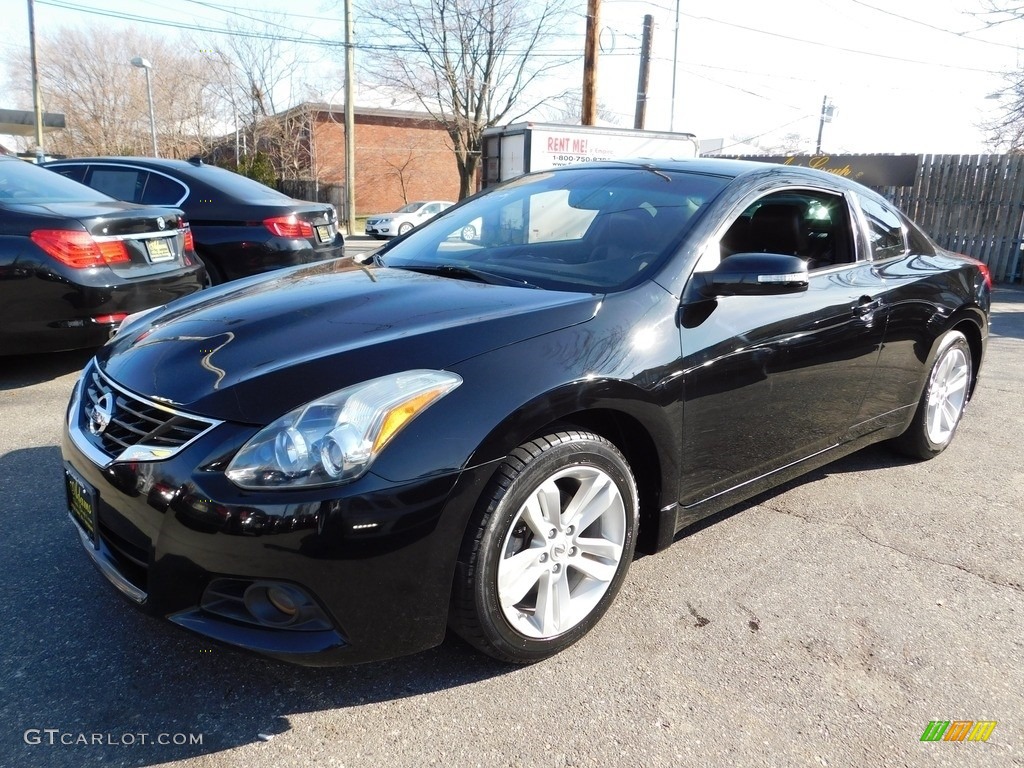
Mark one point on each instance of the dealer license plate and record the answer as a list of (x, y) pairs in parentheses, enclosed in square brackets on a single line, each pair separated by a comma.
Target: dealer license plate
[(81, 502), (159, 250)]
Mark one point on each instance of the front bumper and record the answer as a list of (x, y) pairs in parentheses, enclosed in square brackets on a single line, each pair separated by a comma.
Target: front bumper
[(376, 557)]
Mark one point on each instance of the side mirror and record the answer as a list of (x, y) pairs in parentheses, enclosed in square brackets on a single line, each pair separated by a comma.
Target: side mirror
[(756, 274)]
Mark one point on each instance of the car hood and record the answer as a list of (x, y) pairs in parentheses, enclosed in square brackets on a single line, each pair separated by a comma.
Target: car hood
[(253, 350)]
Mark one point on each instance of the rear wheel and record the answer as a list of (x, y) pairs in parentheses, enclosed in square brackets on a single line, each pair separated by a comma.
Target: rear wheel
[(550, 548), (943, 401), (213, 274)]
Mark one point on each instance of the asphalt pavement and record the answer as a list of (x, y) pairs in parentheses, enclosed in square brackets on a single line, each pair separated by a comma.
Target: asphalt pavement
[(825, 623)]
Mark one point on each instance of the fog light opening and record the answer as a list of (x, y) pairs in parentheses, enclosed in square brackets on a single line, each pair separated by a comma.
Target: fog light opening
[(282, 600), (274, 604)]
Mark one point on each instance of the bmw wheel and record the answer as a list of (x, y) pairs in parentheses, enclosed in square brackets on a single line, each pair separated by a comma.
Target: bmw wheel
[(552, 544), (943, 401)]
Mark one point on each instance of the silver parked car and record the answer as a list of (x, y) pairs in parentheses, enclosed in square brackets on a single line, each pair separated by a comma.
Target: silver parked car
[(385, 225)]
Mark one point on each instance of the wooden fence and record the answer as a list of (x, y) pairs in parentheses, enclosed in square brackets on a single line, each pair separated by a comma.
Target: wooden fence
[(972, 204)]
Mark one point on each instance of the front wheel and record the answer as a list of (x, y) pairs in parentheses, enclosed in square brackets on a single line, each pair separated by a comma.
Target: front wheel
[(943, 401), (403, 228), (549, 549)]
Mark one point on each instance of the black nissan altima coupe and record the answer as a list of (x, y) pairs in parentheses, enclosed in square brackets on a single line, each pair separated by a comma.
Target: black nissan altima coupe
[(335, 463)]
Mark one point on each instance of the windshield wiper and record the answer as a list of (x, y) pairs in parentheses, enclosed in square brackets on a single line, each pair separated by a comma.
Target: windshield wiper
[(458, 271)]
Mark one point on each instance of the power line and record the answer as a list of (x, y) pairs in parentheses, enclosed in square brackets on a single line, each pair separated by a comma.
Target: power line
[(322, 42), (839, 47), (762, 135), (962, 35), (738, 88), (821, 44)]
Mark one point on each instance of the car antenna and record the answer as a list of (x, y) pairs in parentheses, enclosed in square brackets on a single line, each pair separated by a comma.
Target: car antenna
[(196, 160)]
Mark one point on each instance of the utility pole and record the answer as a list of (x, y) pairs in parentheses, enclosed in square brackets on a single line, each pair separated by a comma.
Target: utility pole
[(827, 110), (645, 73), (350, 127), (589, 116), (36, 100), (675, 63)]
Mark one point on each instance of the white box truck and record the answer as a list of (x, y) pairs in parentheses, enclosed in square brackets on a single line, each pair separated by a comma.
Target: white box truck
[(512, 150)]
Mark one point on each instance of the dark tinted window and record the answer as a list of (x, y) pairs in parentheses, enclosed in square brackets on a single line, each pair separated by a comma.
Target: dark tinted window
[(919, 243), (122, 183), (885, 230), (22, 182), (76, 172), (812, 225), (161, 190)]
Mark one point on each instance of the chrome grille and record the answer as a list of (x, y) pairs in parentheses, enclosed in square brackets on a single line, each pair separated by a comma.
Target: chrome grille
[(138, 429)]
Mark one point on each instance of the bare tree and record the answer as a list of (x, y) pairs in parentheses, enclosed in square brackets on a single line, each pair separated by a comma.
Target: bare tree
[(470, 64), (85, 73), (568, 109), (255, 72), (1006, 131), (792, 143)]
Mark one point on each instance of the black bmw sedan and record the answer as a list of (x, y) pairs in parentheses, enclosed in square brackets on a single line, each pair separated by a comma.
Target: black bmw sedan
[(241, 227), (334, 463), (74, 263)]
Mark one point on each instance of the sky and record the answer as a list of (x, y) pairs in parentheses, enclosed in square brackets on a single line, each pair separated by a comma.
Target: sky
[(903, 77)]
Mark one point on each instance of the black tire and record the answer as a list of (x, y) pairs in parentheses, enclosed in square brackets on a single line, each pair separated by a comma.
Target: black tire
[(213, 274), (943, 401), (403, 228), (569, 567)]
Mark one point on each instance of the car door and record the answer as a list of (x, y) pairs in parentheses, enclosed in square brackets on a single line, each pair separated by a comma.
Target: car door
[(770, 380)]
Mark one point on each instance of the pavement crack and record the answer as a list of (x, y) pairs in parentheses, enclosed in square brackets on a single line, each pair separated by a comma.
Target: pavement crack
[(911, 555)]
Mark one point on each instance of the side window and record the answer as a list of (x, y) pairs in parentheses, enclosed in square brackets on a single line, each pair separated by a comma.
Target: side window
[(122, 183), (918, 241), (161, 190), (75, 172), (885, 230), (810, 224)]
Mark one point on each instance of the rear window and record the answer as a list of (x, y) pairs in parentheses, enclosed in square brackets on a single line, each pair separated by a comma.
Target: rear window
[(241, 188), (22, 182), (161, 190)]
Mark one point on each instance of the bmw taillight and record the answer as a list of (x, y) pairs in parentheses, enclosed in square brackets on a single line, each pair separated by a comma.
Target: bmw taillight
[(78, 249), (986, 274), (289, 226)]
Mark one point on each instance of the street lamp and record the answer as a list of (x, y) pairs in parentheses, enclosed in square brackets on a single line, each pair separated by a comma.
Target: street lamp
[(828, 109), (138, 61)]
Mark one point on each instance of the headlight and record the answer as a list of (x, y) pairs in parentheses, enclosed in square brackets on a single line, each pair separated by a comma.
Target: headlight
[(334, 439)]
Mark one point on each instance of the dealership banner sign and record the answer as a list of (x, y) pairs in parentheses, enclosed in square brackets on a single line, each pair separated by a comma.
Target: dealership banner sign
[(869, 170)]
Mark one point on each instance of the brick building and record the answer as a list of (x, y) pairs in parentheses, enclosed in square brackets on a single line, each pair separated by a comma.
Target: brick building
[(400, 156)]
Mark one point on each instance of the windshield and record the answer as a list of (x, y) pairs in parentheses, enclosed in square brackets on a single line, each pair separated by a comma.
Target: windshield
[(410, 207), (22, 182), (579, 229)]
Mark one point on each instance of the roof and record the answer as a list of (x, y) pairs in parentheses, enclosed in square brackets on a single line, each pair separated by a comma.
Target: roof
[(729, 168), (320, 106)]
